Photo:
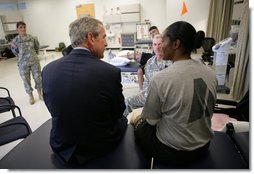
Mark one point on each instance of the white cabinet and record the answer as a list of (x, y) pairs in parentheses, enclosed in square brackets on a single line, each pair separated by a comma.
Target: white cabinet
[(111, 19), (121, 18), (237, 11), (125, 14), (131, 8), (130, 17)]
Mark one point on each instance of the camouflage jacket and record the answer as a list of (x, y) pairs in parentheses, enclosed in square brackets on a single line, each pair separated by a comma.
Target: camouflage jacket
[(25, 49), (152, 67)]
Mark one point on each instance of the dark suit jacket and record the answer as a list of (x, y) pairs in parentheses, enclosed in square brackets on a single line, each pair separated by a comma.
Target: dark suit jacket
[(84, 96)]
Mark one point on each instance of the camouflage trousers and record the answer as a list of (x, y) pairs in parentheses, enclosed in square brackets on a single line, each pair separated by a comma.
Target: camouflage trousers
[(134, 102), (25, 73)]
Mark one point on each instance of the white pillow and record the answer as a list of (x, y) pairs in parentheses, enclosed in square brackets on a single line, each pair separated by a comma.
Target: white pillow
[(119, 61)]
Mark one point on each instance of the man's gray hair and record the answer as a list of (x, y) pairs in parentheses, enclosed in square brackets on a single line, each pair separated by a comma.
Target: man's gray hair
[(79, 29)]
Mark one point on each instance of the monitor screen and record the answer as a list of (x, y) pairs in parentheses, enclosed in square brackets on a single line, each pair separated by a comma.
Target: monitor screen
[(128, 40)]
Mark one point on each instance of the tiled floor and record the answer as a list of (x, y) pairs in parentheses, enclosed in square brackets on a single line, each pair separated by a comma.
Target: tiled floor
[(36, 114)]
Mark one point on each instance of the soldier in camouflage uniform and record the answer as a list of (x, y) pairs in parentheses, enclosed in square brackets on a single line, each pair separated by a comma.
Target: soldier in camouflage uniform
[(26, 48), (153, 65)]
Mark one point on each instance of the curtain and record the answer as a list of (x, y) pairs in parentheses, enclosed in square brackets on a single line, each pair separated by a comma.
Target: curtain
[(219, 19), (241, 73)]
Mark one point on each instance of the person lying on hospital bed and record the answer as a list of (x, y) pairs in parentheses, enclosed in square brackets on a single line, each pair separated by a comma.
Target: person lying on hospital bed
[(123, 58)]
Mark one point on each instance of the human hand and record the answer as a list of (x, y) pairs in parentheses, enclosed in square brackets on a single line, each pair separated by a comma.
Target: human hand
[(134, 119), (137, 56)]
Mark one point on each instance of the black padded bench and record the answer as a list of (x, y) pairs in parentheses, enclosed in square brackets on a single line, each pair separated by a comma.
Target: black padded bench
[(222, 154), (241, 140), (34, 152), (132, 67)]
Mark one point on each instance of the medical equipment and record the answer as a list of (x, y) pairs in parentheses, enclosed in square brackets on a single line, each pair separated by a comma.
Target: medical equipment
[(220, 63)]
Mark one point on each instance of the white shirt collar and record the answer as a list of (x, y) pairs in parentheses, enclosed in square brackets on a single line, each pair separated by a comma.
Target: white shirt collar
[(82, 48)]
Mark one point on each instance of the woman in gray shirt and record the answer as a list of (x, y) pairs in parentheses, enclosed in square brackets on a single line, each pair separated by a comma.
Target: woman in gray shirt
[(175, 124)]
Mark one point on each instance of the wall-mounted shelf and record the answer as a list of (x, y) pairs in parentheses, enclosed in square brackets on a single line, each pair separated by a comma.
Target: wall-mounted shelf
[(9, 26), (11, 18), (9, 22)]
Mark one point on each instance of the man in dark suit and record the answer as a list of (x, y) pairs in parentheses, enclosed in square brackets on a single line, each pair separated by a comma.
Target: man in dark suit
[(84, 96)]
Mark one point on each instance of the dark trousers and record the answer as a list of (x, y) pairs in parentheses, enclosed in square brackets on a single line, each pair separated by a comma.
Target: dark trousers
[(145, 137)]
